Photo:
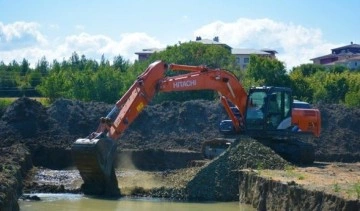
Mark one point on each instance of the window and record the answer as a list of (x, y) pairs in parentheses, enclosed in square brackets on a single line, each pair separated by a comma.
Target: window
[(246, 60)]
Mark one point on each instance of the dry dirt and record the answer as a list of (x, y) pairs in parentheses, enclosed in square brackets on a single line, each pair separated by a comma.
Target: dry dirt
[(341, 179)]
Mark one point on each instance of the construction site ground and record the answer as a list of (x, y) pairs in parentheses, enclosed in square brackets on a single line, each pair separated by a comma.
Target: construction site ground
[(341, 179), (48, 132)]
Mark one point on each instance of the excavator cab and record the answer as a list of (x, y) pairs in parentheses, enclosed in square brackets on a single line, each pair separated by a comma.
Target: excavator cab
[(268, 109), (270, 119)]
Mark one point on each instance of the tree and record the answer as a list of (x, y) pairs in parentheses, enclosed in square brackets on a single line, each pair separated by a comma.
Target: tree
[(75, 61), (55, 66), (106, 85), (194, 53), (308, 69), (56, 84), (301, 85), (25, 67), (329, 87), (42, 66), (121, 64), (267, 71), (104, 62), (34, 78)]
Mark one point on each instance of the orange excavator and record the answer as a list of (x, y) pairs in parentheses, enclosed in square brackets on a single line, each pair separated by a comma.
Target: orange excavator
[(265, 113)]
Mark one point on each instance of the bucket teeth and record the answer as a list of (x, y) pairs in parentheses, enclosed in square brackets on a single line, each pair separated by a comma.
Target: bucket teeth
[(94, 159)]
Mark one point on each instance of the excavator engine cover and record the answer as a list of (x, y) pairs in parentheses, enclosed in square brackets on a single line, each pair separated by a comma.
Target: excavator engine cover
[(95, 160)]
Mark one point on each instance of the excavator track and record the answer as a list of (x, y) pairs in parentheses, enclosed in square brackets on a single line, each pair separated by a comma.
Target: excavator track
[(94, 158), (295, 151), (292, 150)]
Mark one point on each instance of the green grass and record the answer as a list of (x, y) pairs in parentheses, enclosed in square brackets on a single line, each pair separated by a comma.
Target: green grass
[(336, 187), (5, 102), (357, 190)]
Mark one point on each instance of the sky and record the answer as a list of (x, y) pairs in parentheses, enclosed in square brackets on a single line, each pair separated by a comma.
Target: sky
[(298, 30)]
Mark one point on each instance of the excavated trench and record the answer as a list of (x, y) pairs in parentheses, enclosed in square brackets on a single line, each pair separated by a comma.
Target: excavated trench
[(164, 142)]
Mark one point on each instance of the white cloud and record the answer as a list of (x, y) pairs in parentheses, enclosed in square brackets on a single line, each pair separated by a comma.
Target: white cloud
[(296, 44), (20, 35), (134, 42), (97, 45), (24, 40)]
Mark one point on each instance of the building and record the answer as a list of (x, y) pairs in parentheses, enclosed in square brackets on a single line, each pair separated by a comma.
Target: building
[(348, 55), (242, 55), (214, 41), (146, 53)]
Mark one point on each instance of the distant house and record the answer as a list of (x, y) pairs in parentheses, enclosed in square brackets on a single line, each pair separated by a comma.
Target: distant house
[(214, 41), (348, 56), (242, 55), (146, 53)]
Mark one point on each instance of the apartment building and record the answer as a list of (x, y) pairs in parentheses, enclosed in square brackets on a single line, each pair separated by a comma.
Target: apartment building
[(348, 55)]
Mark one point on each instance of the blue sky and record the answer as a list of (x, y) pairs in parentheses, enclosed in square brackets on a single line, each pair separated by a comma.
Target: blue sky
[(298, 29)]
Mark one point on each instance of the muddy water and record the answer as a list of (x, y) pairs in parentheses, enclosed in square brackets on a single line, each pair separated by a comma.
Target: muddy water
[(62, 202)]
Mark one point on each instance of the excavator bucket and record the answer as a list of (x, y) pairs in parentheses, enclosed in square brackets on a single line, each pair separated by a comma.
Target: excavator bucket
[(94, 159)]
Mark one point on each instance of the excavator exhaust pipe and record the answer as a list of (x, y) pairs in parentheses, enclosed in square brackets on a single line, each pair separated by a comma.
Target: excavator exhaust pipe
[(94, 159)]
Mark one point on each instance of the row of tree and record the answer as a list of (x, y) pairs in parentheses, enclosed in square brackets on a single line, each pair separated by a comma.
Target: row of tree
[(86, 79)]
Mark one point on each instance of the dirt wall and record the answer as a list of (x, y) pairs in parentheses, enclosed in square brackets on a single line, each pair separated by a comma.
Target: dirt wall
[(267, 194), (15, 161)]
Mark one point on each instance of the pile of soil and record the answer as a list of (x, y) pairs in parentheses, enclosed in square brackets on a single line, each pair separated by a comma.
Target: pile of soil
[(339, 139), (220, 179), (49, 132)]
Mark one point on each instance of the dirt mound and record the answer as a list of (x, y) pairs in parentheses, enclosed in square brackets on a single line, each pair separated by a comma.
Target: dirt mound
[(166, 126), (76, 117), (174, 125), (23, 119), (339, 139), (219, 179)]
